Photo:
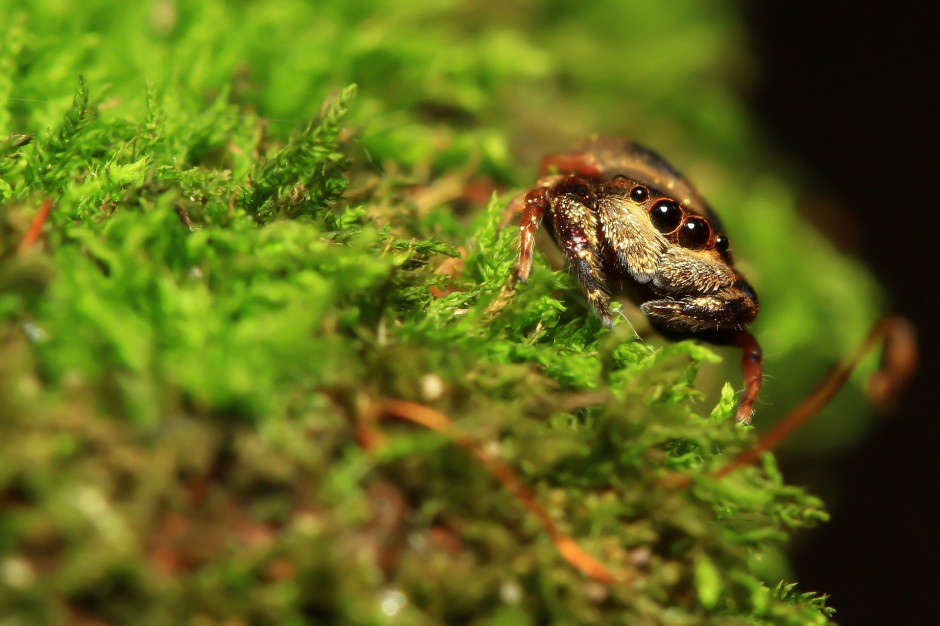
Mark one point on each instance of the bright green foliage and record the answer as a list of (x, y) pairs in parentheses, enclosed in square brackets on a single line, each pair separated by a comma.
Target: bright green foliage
[(314, 158), (239, 266)]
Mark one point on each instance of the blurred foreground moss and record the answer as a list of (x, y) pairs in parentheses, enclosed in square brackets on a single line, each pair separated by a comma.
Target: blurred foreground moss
[(225, 288)]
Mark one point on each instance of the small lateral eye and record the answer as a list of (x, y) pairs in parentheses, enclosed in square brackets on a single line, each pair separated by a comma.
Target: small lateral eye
[(721, 243), (665, 215), (695, 233), (639, 194)]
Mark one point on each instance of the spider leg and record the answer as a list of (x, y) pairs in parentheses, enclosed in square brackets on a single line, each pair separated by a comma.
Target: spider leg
[(899, 362), (578, 163), (534, 205), (752, 364), (752, 358), (575, 231), (575, 228)]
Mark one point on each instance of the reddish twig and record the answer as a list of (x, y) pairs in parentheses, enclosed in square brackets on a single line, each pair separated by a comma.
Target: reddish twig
[(35, 228), (566, 546)]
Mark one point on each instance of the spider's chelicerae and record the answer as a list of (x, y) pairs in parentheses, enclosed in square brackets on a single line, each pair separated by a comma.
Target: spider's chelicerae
[(628, 221)]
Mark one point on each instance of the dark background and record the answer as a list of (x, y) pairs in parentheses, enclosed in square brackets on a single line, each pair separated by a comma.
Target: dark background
[(845, 90)]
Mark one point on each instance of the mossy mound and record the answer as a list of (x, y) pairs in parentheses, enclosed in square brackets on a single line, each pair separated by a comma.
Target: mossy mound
[(195, 354)]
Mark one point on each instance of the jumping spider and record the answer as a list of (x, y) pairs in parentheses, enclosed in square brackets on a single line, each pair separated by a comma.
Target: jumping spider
[(628, 221)]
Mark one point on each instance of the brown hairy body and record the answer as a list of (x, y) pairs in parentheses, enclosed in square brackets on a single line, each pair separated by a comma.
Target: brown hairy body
[(628, 221)]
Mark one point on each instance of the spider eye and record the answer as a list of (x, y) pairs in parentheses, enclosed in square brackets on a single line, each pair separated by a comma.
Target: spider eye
[(721, 243), (639, 194), (695, 233), (665, 215)]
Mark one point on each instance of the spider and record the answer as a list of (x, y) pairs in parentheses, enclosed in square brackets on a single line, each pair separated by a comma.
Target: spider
[(627, 221)]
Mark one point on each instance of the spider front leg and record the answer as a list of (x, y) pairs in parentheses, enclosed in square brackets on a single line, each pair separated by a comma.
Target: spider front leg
[(752, 358), (575, 228), (535, 204), (576, 232), (718, 319)]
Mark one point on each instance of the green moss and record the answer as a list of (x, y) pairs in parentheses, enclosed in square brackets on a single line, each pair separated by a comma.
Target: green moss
[(240, 262)]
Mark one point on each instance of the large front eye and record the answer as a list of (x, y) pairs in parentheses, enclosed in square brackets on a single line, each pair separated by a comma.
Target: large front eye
[(695, 233), (665, 215)]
